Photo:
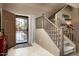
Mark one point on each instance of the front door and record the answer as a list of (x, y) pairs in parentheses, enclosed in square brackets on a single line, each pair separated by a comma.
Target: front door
[(9, 26), (21, 29)]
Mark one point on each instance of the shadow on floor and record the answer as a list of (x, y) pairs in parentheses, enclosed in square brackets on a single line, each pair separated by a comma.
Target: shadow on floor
[(22, 45)]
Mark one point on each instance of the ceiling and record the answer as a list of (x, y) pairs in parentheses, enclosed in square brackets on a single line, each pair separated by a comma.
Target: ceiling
[(35, 9), (32, 8), (75, 5)]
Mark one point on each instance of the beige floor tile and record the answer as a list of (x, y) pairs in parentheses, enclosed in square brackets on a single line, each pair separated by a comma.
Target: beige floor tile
[(34, 50)]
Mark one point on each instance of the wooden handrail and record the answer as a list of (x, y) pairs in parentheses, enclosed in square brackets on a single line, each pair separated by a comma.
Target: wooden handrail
[(51, 22)]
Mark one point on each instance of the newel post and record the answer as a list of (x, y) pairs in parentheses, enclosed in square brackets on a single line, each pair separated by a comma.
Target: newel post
[(62, 41)]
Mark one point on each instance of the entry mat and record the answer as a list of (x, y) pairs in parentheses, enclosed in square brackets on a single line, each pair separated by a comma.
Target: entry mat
[(22, 45)]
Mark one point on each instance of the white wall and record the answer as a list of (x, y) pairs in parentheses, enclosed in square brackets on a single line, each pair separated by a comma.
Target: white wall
[(43, 39), (31, 29), (75, 21), (75, 15)]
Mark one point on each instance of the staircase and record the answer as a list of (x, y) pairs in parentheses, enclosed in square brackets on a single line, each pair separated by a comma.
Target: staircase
[(63, 43), (52, 17), (69, 46)]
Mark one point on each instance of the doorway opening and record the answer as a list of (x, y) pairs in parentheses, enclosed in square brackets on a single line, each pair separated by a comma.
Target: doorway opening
[(21, 29)]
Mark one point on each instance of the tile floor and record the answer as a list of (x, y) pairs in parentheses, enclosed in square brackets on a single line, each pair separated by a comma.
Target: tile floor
[(34, 50)]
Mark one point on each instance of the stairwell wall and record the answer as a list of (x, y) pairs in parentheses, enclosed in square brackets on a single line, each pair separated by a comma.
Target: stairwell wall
[(43, 39)]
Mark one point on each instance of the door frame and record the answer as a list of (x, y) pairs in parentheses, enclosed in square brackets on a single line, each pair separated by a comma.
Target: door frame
[(27, 29)]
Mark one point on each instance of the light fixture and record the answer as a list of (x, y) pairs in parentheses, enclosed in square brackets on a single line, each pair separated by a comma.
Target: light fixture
[(68, 21)]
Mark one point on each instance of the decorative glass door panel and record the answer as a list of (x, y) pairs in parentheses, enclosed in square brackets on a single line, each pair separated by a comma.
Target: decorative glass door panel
[(21, 29)]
